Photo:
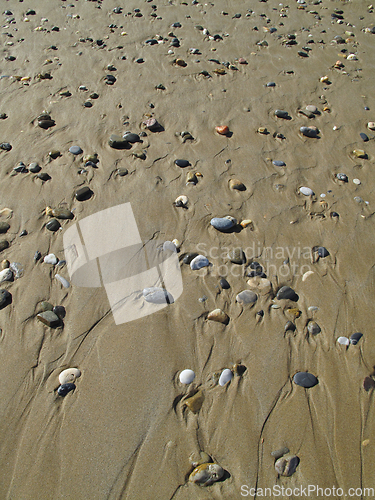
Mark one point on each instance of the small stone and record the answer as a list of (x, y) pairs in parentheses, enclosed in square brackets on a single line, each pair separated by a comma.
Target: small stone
[(289, 326), (45, 123), (219, 316), (343, 341), (371, 125), (354, 338), (4, 226), (271, 84), (279, 163), (306, 191), (368, 383), (130, 137), (194, 403), (225, 377), (3, 245), (34, 168), (5, 298), (5, 264), (312, 109), (117, 142), (282, 114), (224, 284), (69, 375), (206, 474), (246, 297), (305, 379), (342, 177), (6, 146), (261, 285), (64, 389), (237, 185), (280, 452), (262, 130), (223, 223), (189, 257), (186, 376), (60, 312), (157, 295), (322, 252), (308, 132), (51, 259), (198, 262), (191, 178), (313, 328), (62, 213), (222, 129), (359, 153), (237, 256), (181, 201), (287, 293), (181, 62), (43, 176), (65, 283), (151, 124), (364, 137), (53, 225), (75, 150), (182, 163), (54, 154), (83, 194), (45, 306), (49, 318), (286, 466)]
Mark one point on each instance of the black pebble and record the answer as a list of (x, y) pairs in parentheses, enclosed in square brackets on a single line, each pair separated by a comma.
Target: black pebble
[(182, 163), (37, 256), (355, 337), (224, 283), (288, 293), (59, 311), (65, 388), (44, 176), (323, 252), (363, 137), (83, 193), (6, 146), (305, 379), (189, 257), (5, 298), (281, 114), (53, 225)]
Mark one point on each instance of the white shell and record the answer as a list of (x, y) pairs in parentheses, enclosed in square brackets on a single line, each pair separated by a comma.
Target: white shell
[(182, 199), (307, 274), (176, 243), (6, 275), (51, 259), (69, 375), (65, 283), (343, 340), (226, 376), (356, 181), (352, 57), (187, 376), (371, 125), (306, 191)]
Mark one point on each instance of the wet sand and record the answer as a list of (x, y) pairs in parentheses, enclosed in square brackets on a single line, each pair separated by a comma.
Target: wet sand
[(125, 431)]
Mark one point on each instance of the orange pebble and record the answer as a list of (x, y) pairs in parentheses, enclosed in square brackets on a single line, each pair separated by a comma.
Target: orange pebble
[(222, 129)]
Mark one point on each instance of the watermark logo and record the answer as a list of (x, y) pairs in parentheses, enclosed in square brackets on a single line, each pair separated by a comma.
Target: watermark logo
[(105, 249)]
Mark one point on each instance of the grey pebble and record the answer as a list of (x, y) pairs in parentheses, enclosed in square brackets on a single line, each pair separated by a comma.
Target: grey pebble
[(305, 379), (279, 163), (287, 293), (282, 114), (313, 328), (75, 150), (237, 256), (280, 452), (64, 389), (157, 295), (5, 298), (53, 225), (354, 338), (222, 223), (49, 318), (130, 137)]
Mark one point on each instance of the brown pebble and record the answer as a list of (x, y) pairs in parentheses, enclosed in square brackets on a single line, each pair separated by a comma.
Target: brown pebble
[(4, 244), (219, 316), (236, 184), (194, 403), (368, 383), (5, 264), (181, 62)]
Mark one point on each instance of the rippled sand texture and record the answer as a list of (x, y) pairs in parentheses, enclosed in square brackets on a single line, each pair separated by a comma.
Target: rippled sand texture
[(125, 431)]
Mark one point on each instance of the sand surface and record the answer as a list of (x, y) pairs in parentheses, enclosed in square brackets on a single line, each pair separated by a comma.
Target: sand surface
[(125, 432)]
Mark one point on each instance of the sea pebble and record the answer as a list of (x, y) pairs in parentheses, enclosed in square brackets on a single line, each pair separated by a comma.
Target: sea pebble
[(359, 153), (75, 150), (5, 298), (368, 383), (151, 124), (280, 452), (246, 297), (322, 252), (352, 57), (189, 257), (4, 226), (4, 244), (309, 131), (53, 225), (226, 376), (219, 316), (194, 403), (157, 295), (130, 137), (117, 142), (342, 177), (187, 376), (6, 275), (286, 466), (34, 168), (65, 283), (51, 259), (354, 338), (6, 146), (223, 223), (306, 191), (279, 163), (224, 284), (222, 129), (237, 256), (169, 245), (261, 285), (206, 474), (371, 125), (198, 262), (357, 182), (60, 213), (237, 185), (271, 84), (83, 193), (59, 311), (364, 137), (281, 114), (305, 379), (191, 178), (49, 318), (289, 326), (312, 108), (69, 375), (313, 328), (181, 201), (287, 293), (64, 389), (343, 341), (182, 163)]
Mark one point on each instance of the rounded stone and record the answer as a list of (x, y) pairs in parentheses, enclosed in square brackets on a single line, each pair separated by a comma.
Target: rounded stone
[(49, 318), (313, 328), (343, 341), (371, 125), (130, 137), (223, 223), (64, 389), (225, 377), (45, 306), (53, 225), (306, 191), (280, 452), (287, 293), (364, 137), (236, 185), (368, 383), (246, 297), (34, 168), (62, 213), (322, 252), (237, 256), (219, 316), (60, 312), (286, 466), (289, 326), (157, 295), (3, 245), (51, 259), (83, 193), (117, 142), (355, 337), (46, 123), (69, 376), (189, 257), (5, 298), (279, 163), (206, 474), (198, 262), (281, 114), (186, 376), (6, 275), (43, 176), (308, 131), (182, 163), (305, 379), (75, 150), (224, 284), (312, 108), (342, 177), (4, 226)]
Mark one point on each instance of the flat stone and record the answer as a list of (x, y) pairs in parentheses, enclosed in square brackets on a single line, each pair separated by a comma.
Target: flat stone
[(223, 223), (306, 191), (53, 225), (305, 379), (287, 293), (279, 163), (130, 137), (225, 377), (69, 376), (5, 298), (281, 114), (75, 150), (49, 318), (64, 389), (43, 176), (247, 297), (280, 452), (62, 213), (46, 123), (313, 328), (286, 466), (117, 142), (3, 245), (194, 403), (236, 185), (182, 163), (157, 295), (83, 194), (4, 226), (312, 108), (355, 337), (309, 132), (198, 262), (34, 168), (219, 316)]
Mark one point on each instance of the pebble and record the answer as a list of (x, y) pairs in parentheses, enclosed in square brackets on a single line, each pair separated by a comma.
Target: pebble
[(69, 375), (287, 293), (224, 284), (34, 168), (117, 142), (4, 226), (75, 150), (286, 466), (246, 297), (306, 191), (59, 311), (187, 376), (60, 213), (194, 403), (17, 269), (182, 163), (237, 185), (223, 223), (191, 178), (312, 109), (289, 326), (280, 452), (157, 295), (130, 137), (237, 256), (371, 125), (219, 316), (206, 474), (43, 176), (199, 458), (354, 338), (49, 318), (65, 283), (368, 383), (4, 244), (225, 377), (271, 84), (342, 177), (181, 201), (282, 114), (53, 225), (309, 131), (83, 193), (5, 298), (322, 252), (6, 146), (51, 259), (279, 163), (357, 182), (6, 275), (313, 328), (261, 285), (54, 154), (364, 137), (305, 379), (189, 257), (222, 129), (359, 153), (64, 389), (198, 262), (343, 341), (151, 124)]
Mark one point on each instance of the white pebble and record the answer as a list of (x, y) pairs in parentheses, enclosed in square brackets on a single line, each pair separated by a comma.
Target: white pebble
[(176, 243), (51, 259), (343, 340), (323, 195), (306, 191), (69, 375), (6, 275), (182, 200), (357, 181), (313, 308), (187, 376), (352, 57), (226, 376), (65, 283)]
